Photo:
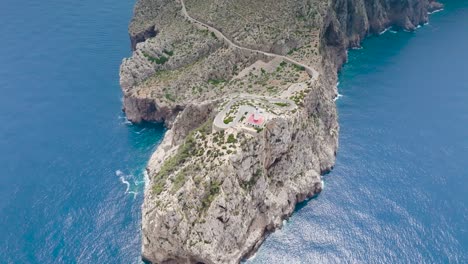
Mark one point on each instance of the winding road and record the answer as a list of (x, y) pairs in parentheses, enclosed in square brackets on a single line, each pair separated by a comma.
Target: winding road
[(219, 119), (312, 72)]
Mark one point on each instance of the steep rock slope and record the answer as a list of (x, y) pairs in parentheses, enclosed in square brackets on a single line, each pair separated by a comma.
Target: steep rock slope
[(215, 194)]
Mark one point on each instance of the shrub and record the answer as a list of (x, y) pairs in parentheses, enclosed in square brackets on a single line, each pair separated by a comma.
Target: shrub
[(168, 52), (212, 190), (214, 35), (216, 81), (282, 104), (231, 139), (228, 120), (299, 68), (169, 97)]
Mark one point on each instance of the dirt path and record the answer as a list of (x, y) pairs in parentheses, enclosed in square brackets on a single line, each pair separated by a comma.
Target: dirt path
[(312, 72)]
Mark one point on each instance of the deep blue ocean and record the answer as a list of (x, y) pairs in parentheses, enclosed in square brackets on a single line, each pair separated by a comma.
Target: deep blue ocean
[(71, 166)]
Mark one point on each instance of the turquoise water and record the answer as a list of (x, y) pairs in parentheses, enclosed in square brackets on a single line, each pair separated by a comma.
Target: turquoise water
[(398, 193)]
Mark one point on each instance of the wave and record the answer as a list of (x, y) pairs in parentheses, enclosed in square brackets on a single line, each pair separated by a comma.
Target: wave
[(122, 179), (338, 96), (385, 30), (146, 179), (435, 11), (134, 194), (139, 132), (131, 182), (125, 120)]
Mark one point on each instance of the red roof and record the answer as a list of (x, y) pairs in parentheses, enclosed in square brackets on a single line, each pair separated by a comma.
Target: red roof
[(258, 121)]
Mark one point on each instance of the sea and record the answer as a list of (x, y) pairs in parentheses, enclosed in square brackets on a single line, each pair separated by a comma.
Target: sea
[(72, 166)]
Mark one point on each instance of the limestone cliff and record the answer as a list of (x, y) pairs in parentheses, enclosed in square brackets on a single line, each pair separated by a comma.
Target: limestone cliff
[(247, 89)]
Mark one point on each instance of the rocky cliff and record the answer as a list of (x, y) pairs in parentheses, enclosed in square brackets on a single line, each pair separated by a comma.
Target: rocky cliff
[(222, 179)]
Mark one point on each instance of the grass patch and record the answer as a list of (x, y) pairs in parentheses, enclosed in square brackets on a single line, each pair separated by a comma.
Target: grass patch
[(253, 180), (282, 104), (292, 51), (299, 68), (231, 139), (228, 120), (161, 60), (169, 52), (169, 97), (212, 190), (179, 181), (185, 151), (216, 81)]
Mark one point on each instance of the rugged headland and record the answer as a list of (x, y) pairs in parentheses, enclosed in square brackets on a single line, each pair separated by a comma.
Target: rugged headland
[(247, 91)]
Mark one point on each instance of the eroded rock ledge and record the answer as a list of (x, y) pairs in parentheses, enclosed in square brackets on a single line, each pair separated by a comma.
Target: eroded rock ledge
[(247, 89)]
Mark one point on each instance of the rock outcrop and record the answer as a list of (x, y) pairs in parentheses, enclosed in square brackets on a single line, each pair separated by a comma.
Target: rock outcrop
[(213, 195)]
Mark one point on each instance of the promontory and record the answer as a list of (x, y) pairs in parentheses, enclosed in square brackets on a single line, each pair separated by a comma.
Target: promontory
[(247, 90)]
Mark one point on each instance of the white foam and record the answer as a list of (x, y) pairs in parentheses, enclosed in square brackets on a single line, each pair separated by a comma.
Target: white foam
[(119, 173), (253, 256), (122, 179), (337, 97), (134, 194), (146, 179), (385, 30), (357, 48), (393, 31), (435, 11), (323, 184), (139, 132)]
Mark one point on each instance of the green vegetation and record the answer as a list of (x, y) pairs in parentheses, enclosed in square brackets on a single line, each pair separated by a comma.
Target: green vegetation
[(298, 98), (253, 180), (299, 68), (231, 139), (292, 51), (258, 129), (282, 104), (169, 52), (283, 63), (216, 81), (179, 180), (169, 97), (214, 35), (161, 60), (212, 190), (228, 120), (184, 152)]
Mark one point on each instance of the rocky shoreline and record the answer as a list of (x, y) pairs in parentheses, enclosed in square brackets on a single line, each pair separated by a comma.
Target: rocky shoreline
[(214, 196)]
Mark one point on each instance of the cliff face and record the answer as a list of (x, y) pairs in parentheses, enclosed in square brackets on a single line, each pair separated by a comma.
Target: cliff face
[(349, 21), (217, 189)]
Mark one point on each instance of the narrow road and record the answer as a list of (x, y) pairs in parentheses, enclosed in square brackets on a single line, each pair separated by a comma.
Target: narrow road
[(312, 72), (219, 119)]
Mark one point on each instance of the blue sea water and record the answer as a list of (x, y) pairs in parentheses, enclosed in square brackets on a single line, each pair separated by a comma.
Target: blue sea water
[(398, 193), (63, 136)]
